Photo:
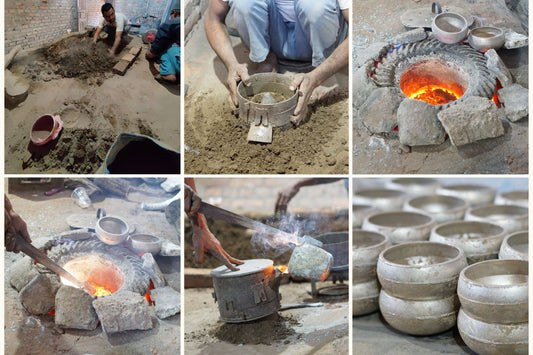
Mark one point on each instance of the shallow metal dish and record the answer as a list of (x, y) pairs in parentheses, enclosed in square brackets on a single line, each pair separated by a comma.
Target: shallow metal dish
[(483, 38)]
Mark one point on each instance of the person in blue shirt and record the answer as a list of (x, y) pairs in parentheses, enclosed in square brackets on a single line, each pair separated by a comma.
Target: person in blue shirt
[(166, 47)]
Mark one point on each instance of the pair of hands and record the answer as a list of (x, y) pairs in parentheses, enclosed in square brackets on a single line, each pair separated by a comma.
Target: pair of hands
[(306, 83), (202, 239)]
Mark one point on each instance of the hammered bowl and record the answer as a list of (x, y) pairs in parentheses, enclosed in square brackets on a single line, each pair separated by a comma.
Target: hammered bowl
[(365, 297), (414, 186), (401, 226), (441, 208), (367, 246), (475, 195), (382, 199), (359, 212), (518, 197), (509, 217), (515, 246)]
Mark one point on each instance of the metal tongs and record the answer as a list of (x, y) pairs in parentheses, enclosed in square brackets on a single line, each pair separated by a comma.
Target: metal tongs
[(37, 255)]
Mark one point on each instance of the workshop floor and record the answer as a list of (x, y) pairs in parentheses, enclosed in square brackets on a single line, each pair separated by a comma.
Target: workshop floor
[(379, 21), (321, 330), (133, 103), (28, 334)]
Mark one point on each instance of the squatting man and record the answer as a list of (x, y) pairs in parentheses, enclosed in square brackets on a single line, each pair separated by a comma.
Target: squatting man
[(295, 30)]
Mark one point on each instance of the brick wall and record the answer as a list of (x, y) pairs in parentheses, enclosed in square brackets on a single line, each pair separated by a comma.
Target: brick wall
[(94, 12), (31, 23)]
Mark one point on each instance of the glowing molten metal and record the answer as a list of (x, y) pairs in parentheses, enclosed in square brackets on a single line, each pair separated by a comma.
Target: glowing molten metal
[(100, 291), (283, 268)]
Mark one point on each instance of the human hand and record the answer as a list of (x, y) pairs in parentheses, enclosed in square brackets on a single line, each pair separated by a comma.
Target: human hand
[(204, 241), (111, 52), (306, 83), (192, 201), (14, 224), (236, 73), (284, 197)]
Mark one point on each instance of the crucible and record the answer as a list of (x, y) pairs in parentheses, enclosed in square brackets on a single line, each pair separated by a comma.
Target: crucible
[(492, 338), (365, 297), (414, 186), (400, 227), (419, 317), (367, 246), (420, 270), (359, 212), (515, 246), (518, 198), (449, 27), (495, 291), (475, 195), (382, 199), (111, 230), (441, 208), (509, 217), (479, 240)]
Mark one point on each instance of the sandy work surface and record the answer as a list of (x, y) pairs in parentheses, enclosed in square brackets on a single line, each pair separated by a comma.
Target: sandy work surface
[(73, 79), (29, 334), (317, 330), (379, 21), (218, 139)]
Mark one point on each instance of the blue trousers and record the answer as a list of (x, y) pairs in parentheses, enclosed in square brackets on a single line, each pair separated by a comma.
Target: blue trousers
[(319, 29)]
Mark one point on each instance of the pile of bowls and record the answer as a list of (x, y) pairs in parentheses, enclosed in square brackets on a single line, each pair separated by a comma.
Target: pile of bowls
[(401, 226), (479, 240), (493, 318), (419, 281), (366, 249)]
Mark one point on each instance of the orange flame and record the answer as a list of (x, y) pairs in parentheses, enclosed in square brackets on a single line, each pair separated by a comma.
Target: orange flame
[(100, 291), (283, 268), (147, 296), (325, 275), (434, 95)]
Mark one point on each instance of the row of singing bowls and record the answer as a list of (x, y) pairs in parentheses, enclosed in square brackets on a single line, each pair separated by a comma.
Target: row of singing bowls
[(479, 240), (515, 246), (509, 217), (494, 307), (401, 226), (418, 282)]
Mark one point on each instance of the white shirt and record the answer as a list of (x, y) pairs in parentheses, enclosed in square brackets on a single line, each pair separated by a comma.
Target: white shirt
[(120, 22), (286, 8)]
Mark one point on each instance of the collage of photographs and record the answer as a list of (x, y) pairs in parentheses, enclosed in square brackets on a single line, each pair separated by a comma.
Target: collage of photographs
[(266, 177)]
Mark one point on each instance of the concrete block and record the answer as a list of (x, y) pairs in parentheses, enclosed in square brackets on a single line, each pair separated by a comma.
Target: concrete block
[(38, 296), (514, 40), (121, 67), (378, 113), (416, 35), (150, 266), (498, 68), (128, 57), (135, 51), (362, 84), (169, 249), (310, 261), (166, 300), (74, 309), (123, 310), (22, 272), (418, 124), (515, 101), (471, 120), (372, 53)]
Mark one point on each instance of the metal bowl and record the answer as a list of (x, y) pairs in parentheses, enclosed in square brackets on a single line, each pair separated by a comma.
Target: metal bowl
[(449, 27), (515, 246), (420, 270), (400, 227), (111, 230), (360, 212), (367, 246), (495, 291), (492, 338), (414, 186), (475, 195), (441, 208), (509, 217), (419, 317), (479, 240), (482, 38), (382, 199), (518, 198), (365, 297), (145, 243)]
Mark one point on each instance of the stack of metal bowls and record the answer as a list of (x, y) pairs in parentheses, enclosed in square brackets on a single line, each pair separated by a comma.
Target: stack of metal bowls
[(493, 318), (365, 292), (419, 281)]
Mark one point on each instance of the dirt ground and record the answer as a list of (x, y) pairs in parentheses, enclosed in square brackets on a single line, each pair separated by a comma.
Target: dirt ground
[(73, 79), (385, 155), (216, 139), (46, 216)]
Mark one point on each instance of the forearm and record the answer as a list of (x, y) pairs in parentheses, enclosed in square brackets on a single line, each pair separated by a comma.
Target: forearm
[(118, 37), (97, 33), (218, 38), (338, 60), (316, 181)]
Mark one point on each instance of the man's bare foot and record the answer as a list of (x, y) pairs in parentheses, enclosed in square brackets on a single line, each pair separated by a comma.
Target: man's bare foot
[(269, 65)]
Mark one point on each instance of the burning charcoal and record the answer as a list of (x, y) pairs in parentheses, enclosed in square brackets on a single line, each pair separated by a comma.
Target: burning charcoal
[(150, 266), (167, 302), (418, 124), (416, 35), (378, 113), (38, 297), (473, 119), (311, 262), (498, 68), (169, 249), (123, 310), (74, 309), (22, 272), (515, 99)]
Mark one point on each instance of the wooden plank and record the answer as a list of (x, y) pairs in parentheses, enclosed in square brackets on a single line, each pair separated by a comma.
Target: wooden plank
[(128, 57), (121, 67), (135, 50), (198, 278)]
